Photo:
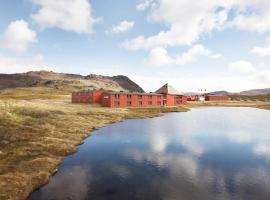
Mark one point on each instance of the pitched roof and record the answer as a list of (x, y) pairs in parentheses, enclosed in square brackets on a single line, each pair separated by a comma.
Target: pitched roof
[(167, 89)]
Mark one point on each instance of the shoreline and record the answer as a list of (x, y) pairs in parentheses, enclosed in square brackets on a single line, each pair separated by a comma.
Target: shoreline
[(249, 104), (47, 132)]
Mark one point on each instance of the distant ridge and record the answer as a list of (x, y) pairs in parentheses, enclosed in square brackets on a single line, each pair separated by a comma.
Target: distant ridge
[(245, 93), (248, 95), (69, 82), (256, 92), (222, 92)]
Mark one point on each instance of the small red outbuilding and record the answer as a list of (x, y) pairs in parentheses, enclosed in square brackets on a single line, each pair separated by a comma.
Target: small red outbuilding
[(216, 98)]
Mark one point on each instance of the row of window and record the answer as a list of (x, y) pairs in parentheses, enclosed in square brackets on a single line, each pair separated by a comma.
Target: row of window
[(129, 103), (117, 96)]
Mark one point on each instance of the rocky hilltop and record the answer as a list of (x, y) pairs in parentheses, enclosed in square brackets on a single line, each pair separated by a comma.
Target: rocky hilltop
[(67, 82)]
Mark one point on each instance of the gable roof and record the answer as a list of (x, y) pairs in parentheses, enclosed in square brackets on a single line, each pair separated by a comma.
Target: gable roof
[(167, 89)]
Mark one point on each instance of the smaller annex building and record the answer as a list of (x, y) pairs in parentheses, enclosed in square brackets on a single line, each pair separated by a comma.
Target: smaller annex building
[(206, 97), (165, 96), (216, 98)]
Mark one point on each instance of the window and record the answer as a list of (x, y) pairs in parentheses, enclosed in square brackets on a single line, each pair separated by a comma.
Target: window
[(140, 103), (117, 96), (149, 96), (117, 103), (128, 96), (159, 103), (159, 97), (129, 103), (140, 97)]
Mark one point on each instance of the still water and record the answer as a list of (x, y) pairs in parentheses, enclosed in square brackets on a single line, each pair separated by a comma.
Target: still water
[(204, 154)]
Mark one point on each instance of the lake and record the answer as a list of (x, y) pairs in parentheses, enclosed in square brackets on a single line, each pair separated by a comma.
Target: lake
[(205, 154)]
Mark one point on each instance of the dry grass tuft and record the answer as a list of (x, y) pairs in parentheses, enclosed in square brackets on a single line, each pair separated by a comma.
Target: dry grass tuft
[(36, 134), (39, 126), (34, 93)]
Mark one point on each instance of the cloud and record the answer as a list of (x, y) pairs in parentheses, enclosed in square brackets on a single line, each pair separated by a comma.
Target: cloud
[(159, 56), (253, 77), (261, 51), (76, 180), (262, 150), (122, 27), (18, 36), (263, 77), (195, 52), (185, 26), (69, 15), (158, 143), (241, 67), (253, 15), (16, 65), (215, 82), (144, 5)]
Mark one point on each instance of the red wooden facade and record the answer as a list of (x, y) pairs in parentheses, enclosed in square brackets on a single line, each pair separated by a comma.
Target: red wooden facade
[(208, 98), (93, 96), (141, 99), (193, 98), (216, 98), (124, 99)]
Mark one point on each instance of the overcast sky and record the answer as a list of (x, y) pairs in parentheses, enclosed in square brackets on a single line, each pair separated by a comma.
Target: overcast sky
[(206, 44)]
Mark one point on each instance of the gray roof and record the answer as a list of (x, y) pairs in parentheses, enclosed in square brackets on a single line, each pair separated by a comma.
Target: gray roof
[(167, 89)]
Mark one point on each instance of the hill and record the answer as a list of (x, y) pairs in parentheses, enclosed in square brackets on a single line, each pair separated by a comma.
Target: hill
[(67, 82), (223, 92), (256, 92), (248, 95)]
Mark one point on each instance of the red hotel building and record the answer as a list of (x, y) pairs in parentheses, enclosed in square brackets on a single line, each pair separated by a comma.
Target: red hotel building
[(165, 96)]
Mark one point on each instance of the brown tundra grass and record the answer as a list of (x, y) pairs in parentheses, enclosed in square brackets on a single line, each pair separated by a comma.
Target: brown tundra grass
[(35, 135), (39, 126)]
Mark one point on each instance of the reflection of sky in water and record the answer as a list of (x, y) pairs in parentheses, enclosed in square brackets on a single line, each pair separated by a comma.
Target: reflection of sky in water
[(204, 154)]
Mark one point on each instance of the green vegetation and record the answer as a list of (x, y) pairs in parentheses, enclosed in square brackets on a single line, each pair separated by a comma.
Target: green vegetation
[(39, 126), (35, 134)]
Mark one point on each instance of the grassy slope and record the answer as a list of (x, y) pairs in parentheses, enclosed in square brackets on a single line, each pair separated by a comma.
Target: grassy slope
[(34, 93), (38, 128)]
